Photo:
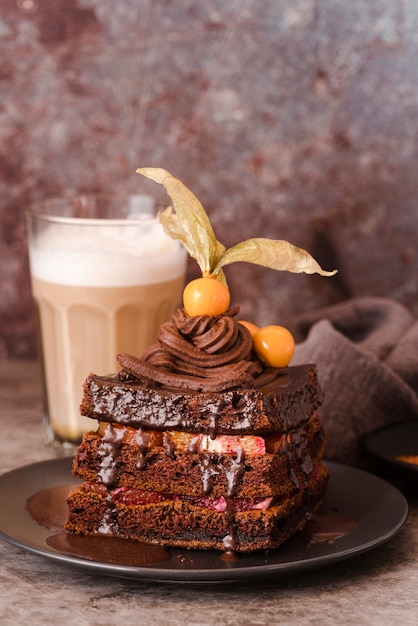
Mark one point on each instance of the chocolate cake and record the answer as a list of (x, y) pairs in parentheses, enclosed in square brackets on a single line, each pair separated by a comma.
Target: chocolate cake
[(200, 444)]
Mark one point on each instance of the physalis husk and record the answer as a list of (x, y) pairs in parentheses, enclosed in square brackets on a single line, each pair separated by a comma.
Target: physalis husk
[(190, 224)]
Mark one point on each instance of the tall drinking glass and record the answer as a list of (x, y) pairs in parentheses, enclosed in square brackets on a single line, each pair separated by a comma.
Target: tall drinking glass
[(104, 278)]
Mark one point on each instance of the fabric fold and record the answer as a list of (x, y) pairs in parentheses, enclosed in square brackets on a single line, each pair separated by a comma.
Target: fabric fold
[(366, 351)]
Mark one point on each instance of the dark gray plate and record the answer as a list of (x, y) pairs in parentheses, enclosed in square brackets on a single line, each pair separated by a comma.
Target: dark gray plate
[(379, 508), (388, 442)]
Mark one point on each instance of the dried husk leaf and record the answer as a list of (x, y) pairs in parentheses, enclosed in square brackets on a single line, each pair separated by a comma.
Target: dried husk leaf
[(172, 226), (190, 224), (275, 254)]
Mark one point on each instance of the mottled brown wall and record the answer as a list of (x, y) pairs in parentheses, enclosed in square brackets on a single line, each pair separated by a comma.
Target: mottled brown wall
[(293, 120)]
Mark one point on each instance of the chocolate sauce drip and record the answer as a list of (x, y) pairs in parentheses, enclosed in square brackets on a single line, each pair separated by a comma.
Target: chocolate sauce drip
[(168, 445), (205, 353), (108, 452), (214, 410), (230, 540), (232, 469), (234, 472), (208, 468), (108, 524), (142, 441)]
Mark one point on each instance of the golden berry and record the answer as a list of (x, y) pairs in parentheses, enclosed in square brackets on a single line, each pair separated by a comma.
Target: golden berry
[(274, 345), (206, 296)]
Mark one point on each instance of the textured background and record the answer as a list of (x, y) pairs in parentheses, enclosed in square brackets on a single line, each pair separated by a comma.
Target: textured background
[(289, 119)]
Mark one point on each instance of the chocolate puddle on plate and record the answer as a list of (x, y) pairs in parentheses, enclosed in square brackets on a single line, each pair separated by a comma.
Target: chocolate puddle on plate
[(327, 526), (48, 508), (107, 549)]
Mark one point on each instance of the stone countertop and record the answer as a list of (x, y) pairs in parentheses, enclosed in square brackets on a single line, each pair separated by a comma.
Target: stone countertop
[(378, 587)]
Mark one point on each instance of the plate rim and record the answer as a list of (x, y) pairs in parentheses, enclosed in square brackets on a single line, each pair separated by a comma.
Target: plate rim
[(199, 576), (370, 438)]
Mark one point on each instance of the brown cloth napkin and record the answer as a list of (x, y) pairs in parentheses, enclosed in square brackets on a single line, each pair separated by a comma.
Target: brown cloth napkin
[(366, 351)]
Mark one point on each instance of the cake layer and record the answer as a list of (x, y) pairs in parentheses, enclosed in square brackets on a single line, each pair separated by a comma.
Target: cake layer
[(284, 404), (121, 459), (179, 523)]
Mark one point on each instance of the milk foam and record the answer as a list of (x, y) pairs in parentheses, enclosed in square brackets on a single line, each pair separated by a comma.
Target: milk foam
[(106, 255)]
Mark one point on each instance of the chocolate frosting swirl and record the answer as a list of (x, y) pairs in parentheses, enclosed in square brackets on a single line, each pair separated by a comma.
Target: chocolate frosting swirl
[(202, 353)]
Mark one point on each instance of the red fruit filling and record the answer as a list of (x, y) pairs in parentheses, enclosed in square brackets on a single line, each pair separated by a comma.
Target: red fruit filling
[(178, 441), (133, 497)]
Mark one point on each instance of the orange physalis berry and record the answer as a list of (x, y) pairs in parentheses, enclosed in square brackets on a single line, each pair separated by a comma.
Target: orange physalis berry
[(274, 345), (206, 296)]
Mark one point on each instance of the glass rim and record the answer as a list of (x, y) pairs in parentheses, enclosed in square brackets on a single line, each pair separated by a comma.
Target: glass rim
[(94, 221), (41, 209)]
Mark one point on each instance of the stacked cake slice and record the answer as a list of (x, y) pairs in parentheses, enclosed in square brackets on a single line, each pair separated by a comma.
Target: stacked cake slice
[(237, 469)]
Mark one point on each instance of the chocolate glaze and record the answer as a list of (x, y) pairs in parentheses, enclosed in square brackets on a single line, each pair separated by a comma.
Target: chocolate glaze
[(279, 406)]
